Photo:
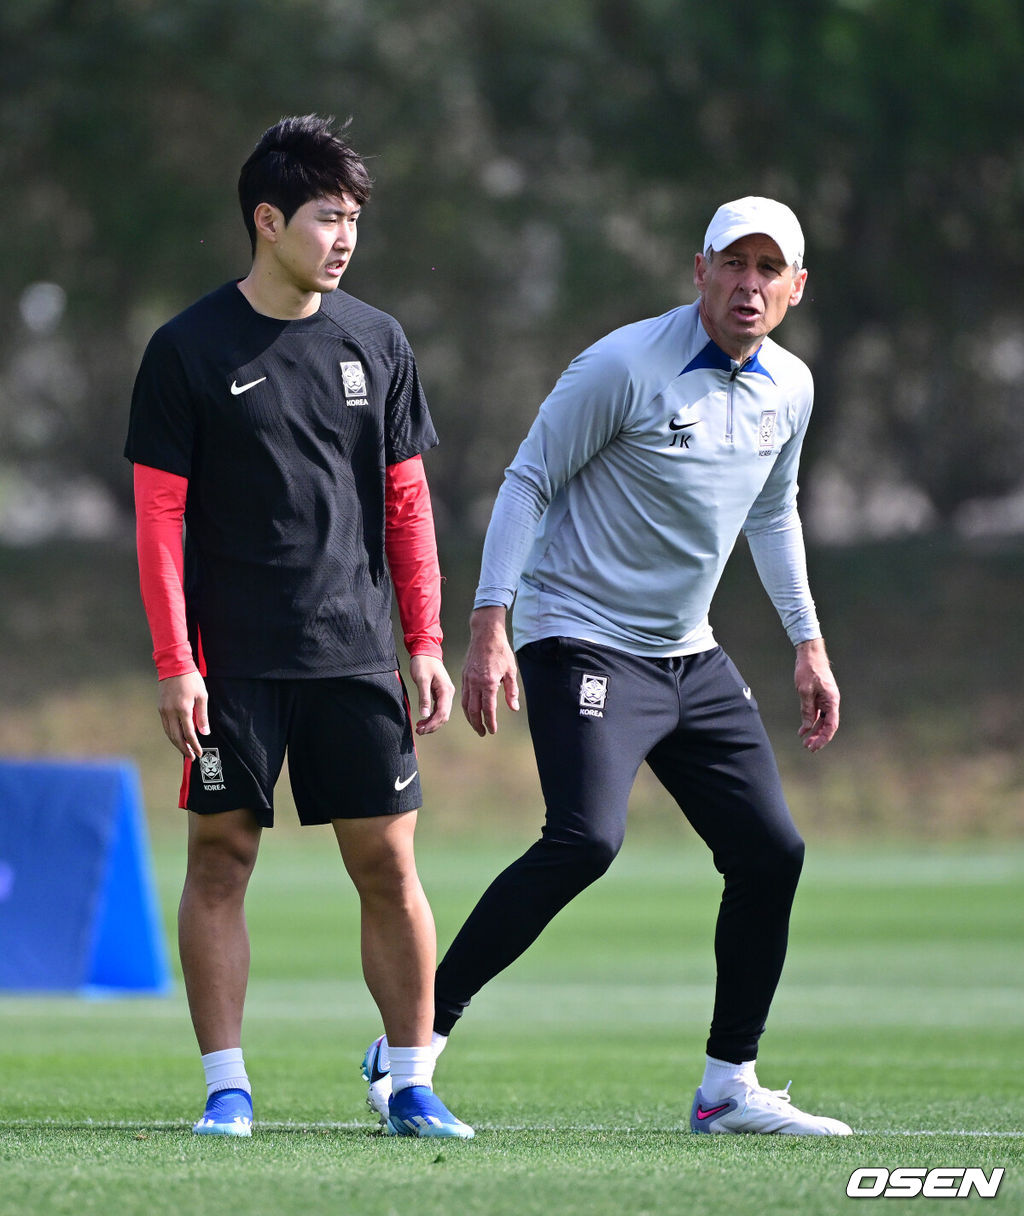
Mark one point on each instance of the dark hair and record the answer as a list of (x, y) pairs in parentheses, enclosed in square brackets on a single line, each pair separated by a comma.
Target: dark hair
[(298, 159)]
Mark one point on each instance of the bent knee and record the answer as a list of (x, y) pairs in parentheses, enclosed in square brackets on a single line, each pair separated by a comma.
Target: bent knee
[(788, 855), (781, 855), (589, 856)]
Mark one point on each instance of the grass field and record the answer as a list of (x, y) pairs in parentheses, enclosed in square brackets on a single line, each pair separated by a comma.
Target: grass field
[(902, 1012)]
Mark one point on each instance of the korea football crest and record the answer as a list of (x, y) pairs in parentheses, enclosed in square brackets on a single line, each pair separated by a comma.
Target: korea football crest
[(211, 770), (766, 433), (353, 379), (593, 695)]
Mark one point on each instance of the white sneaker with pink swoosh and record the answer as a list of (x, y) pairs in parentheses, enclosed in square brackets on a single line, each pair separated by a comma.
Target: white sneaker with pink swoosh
[(753, 1109)]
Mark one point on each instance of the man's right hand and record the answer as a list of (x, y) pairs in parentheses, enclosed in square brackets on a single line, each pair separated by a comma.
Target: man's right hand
[(490, 664), (181, 701)]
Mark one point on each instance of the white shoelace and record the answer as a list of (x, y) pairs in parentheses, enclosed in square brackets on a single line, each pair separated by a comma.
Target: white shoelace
[(779, 1095)]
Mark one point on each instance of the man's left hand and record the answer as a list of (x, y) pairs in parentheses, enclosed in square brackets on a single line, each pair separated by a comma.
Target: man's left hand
[(819, 695), (436, 692)]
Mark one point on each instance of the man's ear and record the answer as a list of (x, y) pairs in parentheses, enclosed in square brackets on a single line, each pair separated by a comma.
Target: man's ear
[(797, 294), (269, 222)]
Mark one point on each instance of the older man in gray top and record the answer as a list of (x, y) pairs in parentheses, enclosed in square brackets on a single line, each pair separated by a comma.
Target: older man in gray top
[(658, 445)]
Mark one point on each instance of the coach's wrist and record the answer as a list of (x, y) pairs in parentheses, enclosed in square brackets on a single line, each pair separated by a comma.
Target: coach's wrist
[(488, 616)]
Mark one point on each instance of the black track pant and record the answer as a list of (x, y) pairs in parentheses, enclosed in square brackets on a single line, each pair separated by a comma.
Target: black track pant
[(595, 716)]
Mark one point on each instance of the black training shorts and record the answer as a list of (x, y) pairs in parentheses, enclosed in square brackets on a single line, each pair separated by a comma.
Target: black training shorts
[(349, 743)]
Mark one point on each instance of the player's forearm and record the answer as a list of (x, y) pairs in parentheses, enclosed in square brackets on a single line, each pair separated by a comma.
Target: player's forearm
[(411, 548), (159, 510)]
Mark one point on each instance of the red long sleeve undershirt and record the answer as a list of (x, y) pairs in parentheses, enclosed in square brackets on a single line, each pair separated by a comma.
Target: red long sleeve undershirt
[(408, 542), (159, 516), (411, 549)]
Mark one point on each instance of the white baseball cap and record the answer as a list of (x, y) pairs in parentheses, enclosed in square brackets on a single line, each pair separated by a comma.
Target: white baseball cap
[(750, 215)]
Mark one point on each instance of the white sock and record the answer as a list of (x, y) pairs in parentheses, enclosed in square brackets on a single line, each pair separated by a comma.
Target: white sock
[(225, 1070), (411, 1066), (722, 1078), (438, 1042)]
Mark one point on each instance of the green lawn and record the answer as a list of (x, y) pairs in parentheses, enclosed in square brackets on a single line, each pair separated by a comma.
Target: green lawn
[(902, 1012)]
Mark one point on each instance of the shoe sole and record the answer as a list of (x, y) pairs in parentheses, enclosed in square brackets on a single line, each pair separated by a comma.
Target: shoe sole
[(222, 1129), (433, 1131)]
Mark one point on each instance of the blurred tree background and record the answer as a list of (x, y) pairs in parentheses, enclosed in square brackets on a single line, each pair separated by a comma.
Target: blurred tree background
[(544, 171)]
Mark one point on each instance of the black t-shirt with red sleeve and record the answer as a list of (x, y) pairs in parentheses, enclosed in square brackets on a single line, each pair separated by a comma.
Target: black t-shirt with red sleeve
[(283, 430)]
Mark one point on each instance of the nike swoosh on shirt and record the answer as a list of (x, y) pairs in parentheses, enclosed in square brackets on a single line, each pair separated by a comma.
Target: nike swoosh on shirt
[(237, 388), (400, 784), (682, 426)]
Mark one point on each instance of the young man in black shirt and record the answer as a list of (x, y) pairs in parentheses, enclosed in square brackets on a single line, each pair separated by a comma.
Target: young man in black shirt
[(282, 421)]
